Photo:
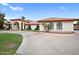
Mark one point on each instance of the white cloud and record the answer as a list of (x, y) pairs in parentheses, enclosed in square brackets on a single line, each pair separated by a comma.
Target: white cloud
[(62, 7), (14, 8), (5, 4)]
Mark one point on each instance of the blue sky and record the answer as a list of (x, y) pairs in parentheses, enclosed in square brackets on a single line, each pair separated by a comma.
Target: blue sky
[(37, 11)]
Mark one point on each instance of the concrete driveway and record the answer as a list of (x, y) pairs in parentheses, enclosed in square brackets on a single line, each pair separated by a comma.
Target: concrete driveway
[(35, 43)]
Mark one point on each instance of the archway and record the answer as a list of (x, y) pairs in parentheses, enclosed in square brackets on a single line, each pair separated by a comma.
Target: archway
[(16, 26)]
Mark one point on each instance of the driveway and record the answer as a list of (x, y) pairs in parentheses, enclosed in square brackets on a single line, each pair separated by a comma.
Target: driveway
[(35, 43)]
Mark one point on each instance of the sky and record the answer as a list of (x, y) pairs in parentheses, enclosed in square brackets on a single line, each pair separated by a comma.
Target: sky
[(37, 11)]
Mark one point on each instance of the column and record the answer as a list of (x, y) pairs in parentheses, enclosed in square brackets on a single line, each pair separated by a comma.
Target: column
[(41, 27), (12, 25), (55, 26), (20, 25), (23, 26)]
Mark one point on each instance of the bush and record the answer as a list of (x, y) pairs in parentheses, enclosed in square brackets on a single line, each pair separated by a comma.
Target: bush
[(37, 27), (29, 28)]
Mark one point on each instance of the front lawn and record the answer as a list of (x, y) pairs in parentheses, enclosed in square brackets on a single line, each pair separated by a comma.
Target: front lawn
[(9, 43)]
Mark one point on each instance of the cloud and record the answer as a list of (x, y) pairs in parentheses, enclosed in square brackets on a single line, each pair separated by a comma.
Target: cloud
[(5, 4), (14, 8), (62, 7)]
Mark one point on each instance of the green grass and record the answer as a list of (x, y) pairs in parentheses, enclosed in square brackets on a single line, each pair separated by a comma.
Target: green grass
[(9, 43)]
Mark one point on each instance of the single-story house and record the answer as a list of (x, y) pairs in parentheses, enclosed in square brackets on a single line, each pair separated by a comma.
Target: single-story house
[(48, 24), (57, 24), (19, 24)]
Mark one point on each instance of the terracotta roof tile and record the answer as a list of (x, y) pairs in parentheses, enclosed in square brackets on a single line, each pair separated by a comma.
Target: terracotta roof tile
[(18, 20), (32, 23), (57, 19)]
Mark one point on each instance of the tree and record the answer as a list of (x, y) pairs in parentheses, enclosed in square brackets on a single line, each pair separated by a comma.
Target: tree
[(22, 17), (2, 15)]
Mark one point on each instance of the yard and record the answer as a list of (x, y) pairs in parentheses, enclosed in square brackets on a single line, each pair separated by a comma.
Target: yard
[(9, 43)]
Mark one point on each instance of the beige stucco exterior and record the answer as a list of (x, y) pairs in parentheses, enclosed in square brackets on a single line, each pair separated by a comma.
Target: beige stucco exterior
[(21, 25), (66, 26)]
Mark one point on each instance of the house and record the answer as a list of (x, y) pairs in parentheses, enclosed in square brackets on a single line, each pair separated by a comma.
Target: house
[(48, 24), (20, 24), (57, 24)]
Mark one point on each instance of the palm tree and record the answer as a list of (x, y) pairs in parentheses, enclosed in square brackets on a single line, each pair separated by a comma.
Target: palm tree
[(2, 15), (22, 17)]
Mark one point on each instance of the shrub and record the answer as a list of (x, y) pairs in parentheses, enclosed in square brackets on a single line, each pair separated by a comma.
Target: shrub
[(29, 28), (37, 27)]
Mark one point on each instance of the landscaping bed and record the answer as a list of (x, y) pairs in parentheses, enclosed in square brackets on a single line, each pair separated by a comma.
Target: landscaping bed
[(9, 43)]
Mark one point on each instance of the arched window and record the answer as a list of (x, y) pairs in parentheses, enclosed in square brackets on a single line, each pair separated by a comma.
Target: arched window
[(59, 25)]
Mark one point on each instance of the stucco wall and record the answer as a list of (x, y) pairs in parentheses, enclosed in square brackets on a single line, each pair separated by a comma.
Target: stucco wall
[(33, 27), (41, 28), (20, 22), (66, 26), (26, 26)]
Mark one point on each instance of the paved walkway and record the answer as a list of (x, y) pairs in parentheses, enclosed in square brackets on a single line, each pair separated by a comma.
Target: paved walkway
[(35, 43)]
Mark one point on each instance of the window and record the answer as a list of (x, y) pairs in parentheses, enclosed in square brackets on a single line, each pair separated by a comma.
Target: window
[(59, 25), (50, 25)]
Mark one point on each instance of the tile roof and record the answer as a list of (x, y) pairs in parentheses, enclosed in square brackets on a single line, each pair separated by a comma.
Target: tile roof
[(57, 19), (17, 20), (32, 23)]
